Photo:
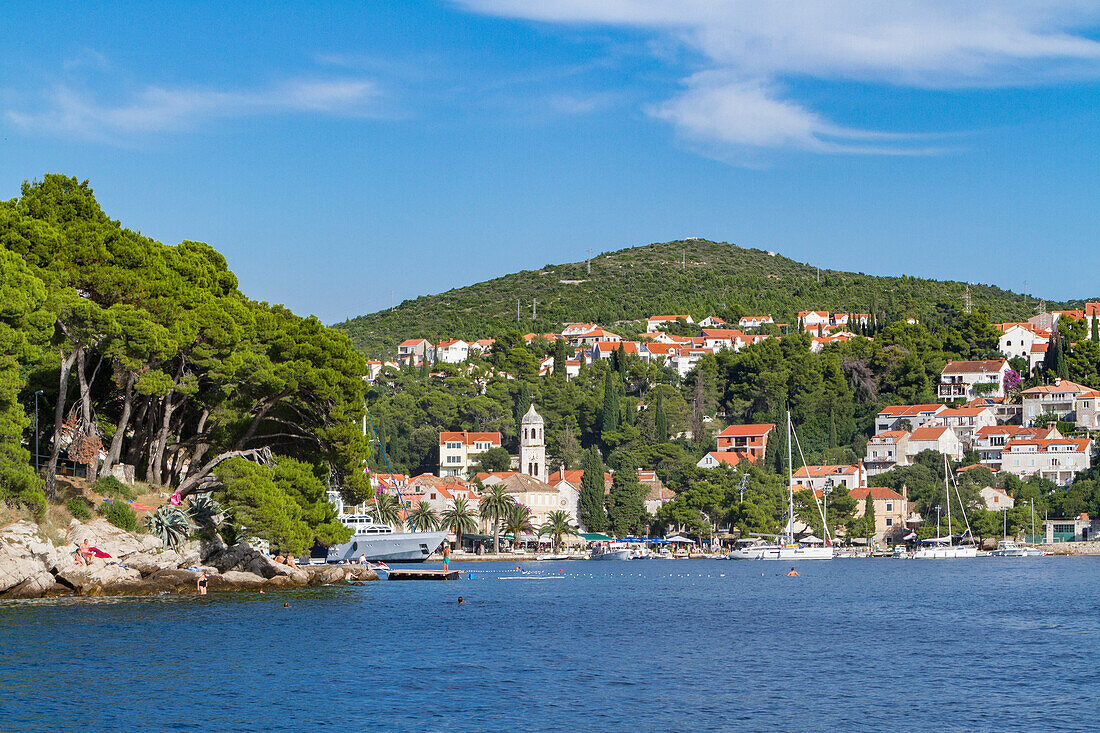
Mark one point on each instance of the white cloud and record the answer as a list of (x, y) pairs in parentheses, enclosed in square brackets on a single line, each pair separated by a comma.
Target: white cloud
[(746, 49), (71, 113)]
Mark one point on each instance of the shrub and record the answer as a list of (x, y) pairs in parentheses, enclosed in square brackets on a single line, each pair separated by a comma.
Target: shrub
[(79, 507), (112, 487), (122, 516)]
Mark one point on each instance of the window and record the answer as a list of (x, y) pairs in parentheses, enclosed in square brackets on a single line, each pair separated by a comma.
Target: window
[(889, 506), (454, 459), (889, 522)]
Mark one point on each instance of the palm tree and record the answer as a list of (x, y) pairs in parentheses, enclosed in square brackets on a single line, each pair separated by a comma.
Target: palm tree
[(460, 518), (389, 509), (423, 518), (558, 524), (495, 505), (517, 521)]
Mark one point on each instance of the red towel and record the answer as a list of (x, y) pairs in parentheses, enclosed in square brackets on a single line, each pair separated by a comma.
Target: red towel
[(98, 552)]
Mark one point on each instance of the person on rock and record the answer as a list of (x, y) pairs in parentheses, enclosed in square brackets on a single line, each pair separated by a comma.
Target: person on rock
[(201, 583)]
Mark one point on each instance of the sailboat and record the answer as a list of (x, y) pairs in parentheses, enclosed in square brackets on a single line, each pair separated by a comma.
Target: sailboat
[(938, 549), (783, 546)]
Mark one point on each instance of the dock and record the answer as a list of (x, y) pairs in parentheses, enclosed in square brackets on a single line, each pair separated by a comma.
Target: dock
[(425, 574)]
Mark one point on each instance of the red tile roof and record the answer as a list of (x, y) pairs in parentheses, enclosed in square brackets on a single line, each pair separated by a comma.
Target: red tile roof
[(877, 493), (827, 470), (927, 433), (469, 438), (739, 431), (974, 367)]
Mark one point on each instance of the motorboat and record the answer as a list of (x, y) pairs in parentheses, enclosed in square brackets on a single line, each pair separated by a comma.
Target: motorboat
[(1011, 548), (376, 542), (612, 551)]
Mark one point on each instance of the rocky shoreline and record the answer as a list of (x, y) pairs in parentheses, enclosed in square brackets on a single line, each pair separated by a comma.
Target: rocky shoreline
[(139, 565)]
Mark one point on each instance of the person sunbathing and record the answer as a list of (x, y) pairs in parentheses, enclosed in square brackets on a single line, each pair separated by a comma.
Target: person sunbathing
[(84, 553), (290, 561)]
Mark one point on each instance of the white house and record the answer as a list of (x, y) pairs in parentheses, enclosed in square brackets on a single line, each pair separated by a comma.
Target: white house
[(1058, 399), (754, 321), (458, 451), (814, 320), (817, 477), (969, 379), (712, 322), (653, 323), (714, 459), (965, 421), (996, 500), (576, 329), (1056, 460), (452, 351), (886, 451), (1018, 340), (417, 349), (914, 416), (720, 339), (941, 439), (595, 336)]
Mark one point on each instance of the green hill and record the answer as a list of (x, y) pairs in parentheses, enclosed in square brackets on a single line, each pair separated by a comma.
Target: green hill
[(695, 276)]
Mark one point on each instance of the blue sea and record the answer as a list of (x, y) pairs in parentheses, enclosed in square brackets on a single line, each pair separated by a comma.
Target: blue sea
[(969, 645)]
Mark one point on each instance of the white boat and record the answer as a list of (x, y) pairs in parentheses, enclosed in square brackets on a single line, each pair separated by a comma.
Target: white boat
[(784, 546), (1010, 548), (374, 542), (612, 551), (944, 548), (761, 550)]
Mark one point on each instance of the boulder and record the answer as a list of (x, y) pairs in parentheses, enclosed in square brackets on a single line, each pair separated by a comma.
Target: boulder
[(24, 555), (235, 580), (33, 587), (86, 578), (149, 563), (118, 543)]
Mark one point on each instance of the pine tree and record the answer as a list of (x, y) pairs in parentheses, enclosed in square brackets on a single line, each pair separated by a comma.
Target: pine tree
[(523, 402), (625, 503), (590, 509)]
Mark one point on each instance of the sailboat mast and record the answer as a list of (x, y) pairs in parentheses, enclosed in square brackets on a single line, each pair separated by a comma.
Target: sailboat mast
[(947, 490), (790, 482)]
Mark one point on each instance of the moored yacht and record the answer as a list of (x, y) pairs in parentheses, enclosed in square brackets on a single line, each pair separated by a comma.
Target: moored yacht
[(612, 551), (374, 542), (1011, 548)]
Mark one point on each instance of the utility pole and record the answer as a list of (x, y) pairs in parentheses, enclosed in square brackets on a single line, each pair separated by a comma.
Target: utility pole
[(684, 258), (588, 261), (517, 310), (534, 309), (967, 304)]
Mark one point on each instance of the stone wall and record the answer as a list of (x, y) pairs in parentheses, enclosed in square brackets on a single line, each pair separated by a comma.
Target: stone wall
[(1071, 548)]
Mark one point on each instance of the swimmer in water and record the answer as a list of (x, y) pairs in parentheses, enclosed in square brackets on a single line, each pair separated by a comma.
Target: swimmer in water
[(791, 574), (460, 601), (286, 604)]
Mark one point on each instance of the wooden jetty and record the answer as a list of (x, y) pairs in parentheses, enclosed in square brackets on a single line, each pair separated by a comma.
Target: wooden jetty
[(424, 574)]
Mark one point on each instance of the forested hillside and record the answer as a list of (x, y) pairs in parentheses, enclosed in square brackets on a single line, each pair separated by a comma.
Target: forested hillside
[(697, 276)]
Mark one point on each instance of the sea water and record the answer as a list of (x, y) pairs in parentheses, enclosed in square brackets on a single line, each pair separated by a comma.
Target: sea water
[(997, 644)]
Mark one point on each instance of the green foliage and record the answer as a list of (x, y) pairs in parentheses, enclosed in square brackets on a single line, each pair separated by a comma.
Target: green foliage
[(388, 509), (203, 511), (122, 516), (423, 518), (285, 505), (864, 526), (493, 460), (494, 506), (518, 522), (590, 503), (625, 508), (460, 518), (171, 524), (79, 507), (558, 524), (111, 487)]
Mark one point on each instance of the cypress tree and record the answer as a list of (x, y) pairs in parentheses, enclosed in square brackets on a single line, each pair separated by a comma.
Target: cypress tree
[(625, 503), (609, 417), (590, 509), (1095, 329), (559, 359), (660, 422)]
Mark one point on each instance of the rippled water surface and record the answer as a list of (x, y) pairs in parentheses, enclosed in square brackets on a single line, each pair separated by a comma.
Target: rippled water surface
[(970, 645)]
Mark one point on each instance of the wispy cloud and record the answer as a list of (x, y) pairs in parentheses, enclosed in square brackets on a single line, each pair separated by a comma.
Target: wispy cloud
[(744, 50), (68, 112)]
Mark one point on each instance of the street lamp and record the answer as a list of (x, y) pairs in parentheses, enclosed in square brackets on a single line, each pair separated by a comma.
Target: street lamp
[(36, 430), (938, 508)]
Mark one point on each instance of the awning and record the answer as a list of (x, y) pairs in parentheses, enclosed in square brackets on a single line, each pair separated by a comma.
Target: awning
[(683, 540), (811, 540), (595, 537)]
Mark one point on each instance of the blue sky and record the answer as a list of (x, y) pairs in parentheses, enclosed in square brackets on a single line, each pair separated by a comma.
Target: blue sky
[(344, 154)]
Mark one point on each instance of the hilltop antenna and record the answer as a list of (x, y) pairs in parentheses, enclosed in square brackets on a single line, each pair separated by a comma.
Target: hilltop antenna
[(517, 310), (819, 274), (588, 261), (534, 309), (684, 258), (967, 304)]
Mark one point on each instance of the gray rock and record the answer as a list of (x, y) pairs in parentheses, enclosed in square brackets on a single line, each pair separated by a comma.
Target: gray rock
[(24, 555), (149, 563), (33, 587), (235, 580)]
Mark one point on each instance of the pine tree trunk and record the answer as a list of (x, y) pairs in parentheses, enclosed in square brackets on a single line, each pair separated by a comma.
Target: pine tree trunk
[(123, 423), (86, 413), (58, 422)]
